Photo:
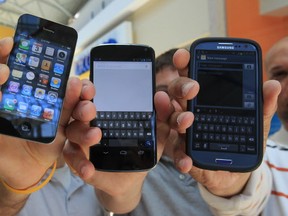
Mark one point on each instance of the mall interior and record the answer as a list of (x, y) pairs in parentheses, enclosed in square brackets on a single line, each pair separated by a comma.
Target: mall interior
[(162, 24)]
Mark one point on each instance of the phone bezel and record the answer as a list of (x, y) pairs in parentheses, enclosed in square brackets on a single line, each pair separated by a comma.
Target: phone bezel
[(108, 158), (241, 162)]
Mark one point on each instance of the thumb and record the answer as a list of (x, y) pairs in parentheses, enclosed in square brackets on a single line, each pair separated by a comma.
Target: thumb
[(271, 91)]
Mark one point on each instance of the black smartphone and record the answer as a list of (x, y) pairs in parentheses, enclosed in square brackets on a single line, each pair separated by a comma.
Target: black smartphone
[(227, 133), (124, 77), (39, 63)]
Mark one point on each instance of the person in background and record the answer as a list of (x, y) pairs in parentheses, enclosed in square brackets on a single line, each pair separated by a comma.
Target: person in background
[(176, 189), (276, 63)]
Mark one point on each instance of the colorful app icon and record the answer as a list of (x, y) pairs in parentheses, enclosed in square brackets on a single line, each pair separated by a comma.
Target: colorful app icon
[(13, 86), (55, 82), (48, 113), (35, 110), (33, 61), (17, 73), (9, 104), (52, 97), (58, 68), (46, 65), (22, 107), (24, 44), (39, 93), (43, 79), (49, 51), (30, 75), (27, 90), (37, 47), (61, 54), (21, 58)]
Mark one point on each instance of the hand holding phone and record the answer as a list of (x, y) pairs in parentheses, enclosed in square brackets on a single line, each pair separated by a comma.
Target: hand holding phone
[(39, 63), (125, 86), (227, 133)]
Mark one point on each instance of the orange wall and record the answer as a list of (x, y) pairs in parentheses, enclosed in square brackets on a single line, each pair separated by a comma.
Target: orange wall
[(6, 31), (244, 20)]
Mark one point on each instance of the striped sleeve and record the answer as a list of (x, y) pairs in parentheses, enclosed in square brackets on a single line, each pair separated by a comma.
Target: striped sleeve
[(250, 202), (276, 159)]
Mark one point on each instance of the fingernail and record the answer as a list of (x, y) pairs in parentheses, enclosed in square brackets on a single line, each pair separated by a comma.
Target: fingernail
[(180, 163), (83, 171), (179, 119), (186, 88)]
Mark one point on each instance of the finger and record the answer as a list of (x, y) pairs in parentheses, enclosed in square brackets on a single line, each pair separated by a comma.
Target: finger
[(78, 132), (6, 45), (181, 60), (183, 89), (78, 161), (72, 96), (180, 121), (163, 106), (84, 111), (88, 90), (271, 90), (182, 162), (4, 73)]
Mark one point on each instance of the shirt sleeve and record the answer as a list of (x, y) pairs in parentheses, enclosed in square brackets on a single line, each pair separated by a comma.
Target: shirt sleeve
[(250, 202)]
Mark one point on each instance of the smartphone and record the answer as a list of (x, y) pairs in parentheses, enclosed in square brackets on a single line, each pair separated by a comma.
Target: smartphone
[(227, 133), (124, 77), (39, 63)]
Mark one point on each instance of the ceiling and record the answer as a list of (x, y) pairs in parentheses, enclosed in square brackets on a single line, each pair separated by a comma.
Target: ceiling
[(56, 10)]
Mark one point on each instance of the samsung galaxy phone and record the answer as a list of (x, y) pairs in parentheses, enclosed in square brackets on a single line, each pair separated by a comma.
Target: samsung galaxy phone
[(227, 133)]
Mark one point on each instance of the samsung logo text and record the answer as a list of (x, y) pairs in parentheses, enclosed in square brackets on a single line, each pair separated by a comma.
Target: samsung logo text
[(226, 47)]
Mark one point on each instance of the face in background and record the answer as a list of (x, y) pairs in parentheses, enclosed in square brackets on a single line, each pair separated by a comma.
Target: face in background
[(277, 68), (163, 78)]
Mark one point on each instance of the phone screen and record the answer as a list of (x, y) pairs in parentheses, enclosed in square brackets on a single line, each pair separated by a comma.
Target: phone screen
[(227, 130), (124, 80), (39, 65)]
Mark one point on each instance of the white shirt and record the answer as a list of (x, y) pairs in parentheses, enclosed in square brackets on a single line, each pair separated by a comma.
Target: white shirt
[(65, 195), (267, 188), (277, 161)]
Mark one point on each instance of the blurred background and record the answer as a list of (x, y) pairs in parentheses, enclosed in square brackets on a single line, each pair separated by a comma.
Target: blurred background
[(161, 24)]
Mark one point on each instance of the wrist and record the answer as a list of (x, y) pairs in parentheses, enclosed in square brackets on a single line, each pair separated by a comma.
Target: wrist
[(26, 174), (228, 190), (31, 188)]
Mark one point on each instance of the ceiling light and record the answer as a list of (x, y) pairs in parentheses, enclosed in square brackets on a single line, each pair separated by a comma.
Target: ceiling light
[(76, 15)]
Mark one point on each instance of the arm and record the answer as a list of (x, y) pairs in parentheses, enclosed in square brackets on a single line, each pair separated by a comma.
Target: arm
[(220, 186), (11, 203), (250, 201), (23, 163), (121, 192)]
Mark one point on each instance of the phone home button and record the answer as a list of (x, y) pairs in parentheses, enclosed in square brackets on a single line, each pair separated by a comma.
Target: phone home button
[(122, 152), (25, 127), (223, 161)]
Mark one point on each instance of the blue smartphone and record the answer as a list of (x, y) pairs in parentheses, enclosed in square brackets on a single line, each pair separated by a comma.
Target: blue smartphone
[(227, 133)]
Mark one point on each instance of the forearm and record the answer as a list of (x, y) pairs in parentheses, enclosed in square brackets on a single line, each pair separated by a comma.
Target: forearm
[(251, 200), (11, 203)]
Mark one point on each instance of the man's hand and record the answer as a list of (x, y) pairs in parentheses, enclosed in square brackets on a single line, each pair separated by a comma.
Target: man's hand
[(121, 192), (220, 183), (23, 163)]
